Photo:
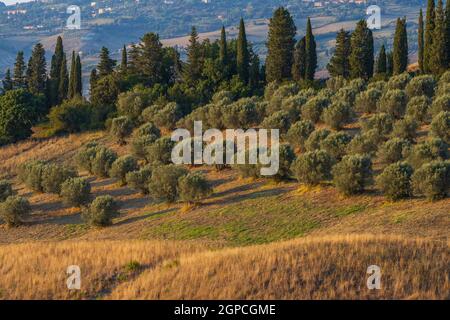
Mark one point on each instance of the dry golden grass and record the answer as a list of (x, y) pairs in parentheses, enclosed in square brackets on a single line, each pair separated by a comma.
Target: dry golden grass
[(38, 270), (310, 268)]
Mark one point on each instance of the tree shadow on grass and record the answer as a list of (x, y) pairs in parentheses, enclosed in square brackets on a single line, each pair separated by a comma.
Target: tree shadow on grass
[(249, 196), (144, 216)]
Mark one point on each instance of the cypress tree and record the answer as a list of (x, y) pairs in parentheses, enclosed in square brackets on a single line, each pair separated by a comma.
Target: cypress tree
[(150, 61), (429, 29), (223, 52), (381, 61), (106, 64), (37, 73), (389, 63), (254, 72), (193, 70), (243, 55), (124, 61), (55, 71), (339, 63), (63, 80), (93, 79), (78, 82), (280, 46), (362, 52), (400, 53), (447, 28), (133, 60), (420, 41), (7, 82), (19, 79), (299, 65), (438, 61), (73, 66), (311, 54)]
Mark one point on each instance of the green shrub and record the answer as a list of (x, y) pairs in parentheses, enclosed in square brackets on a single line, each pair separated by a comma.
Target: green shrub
[(440, 103), (367, 100), (379, 85), (395, 181), (54, 175), (75, 191), (248, 170), (71, 116), (133, 102), (440, 126), (168, 116), (432, 180), (241, 114), (433, 149), (160, 152), (143, 137), (393, 102), (293, 106), (140, 179), (193, 187), (358, 85), (336, 144), (121, 167), (347, 95), (382, 123), (336, 83), (13, 210), (299, 132), (421, 86), (394, 150), (398, 82), (352, 174), (121, 127), (365, 143), (31, 173), (102, 162), (313, 167), (164, 182), (312, 110), (100, 212), (315, 139), (405, 128), (417, 108), (85, 156), (6, 190), (279, 120), (275, 100), (337, 115), (286, 156)]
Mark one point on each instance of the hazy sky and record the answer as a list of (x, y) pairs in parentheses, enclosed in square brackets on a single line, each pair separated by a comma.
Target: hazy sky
[(8, 2)]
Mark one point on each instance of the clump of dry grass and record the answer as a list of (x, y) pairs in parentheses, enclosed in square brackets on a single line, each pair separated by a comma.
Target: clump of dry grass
[(38, 270), (310, 268)]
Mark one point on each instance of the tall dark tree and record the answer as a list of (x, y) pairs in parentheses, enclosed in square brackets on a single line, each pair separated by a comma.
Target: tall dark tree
[(78, 82), (311, 54), (254, 79), (55, 72), (420, 41), (223, 52), (429, 30), (37, 72), (106, 64), (438, 62), (447, 28), (389, 63), (133, 59), (93, 80), (194, 64), (280, 46), (362, 52), (151, 58), (19, 79), (340, 62), (299, 65), (400, 47), (124, 60), (381, 67), (72, 76), (63, 80), (7, 82), (243, 55)]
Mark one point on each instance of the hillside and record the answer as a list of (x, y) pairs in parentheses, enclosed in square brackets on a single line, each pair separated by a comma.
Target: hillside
[(311, 268)]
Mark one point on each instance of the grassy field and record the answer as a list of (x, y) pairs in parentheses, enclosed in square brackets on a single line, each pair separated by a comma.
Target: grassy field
[(309, 268)]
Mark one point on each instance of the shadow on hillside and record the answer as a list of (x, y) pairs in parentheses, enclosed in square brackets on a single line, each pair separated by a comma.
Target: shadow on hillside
[(74, 218), (242, 188), (144, 216), (248, 196), (134, 203), (47, 206)]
